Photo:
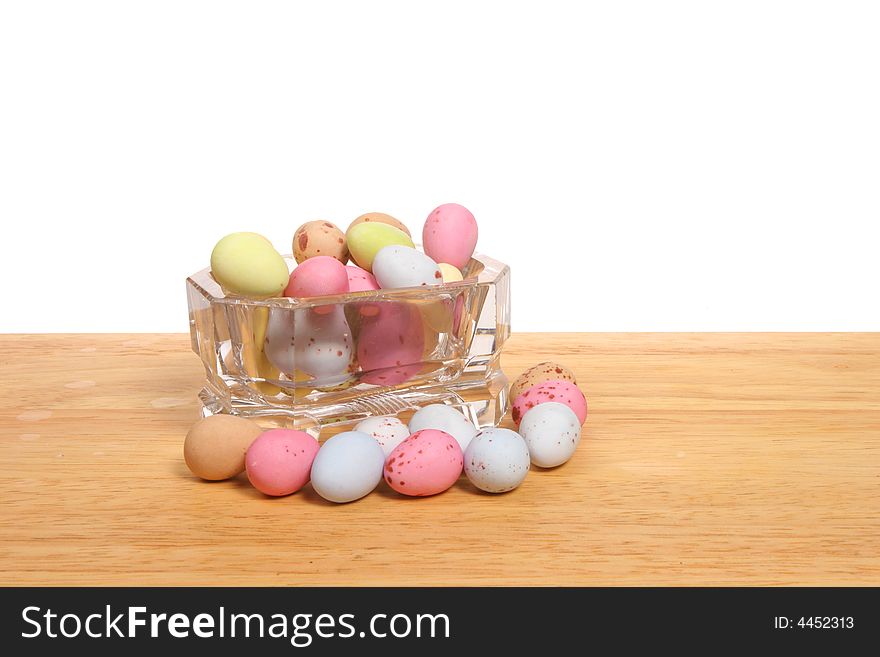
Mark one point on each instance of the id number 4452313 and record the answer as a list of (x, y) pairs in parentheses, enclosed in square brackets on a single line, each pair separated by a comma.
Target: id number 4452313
[(814, 623)]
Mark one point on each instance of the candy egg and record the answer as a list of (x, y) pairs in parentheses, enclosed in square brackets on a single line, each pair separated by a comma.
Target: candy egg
[(360, 280), (450, 234), (391, 338), (215, 446), (319, 238), (546, 371), (281, 339), (279, 461), (444, 418), (564, 392), (387, 430), (426, 463), (252, 355), (317, 277), (552, 432), (450, 273), (348, 466), (402, 266), (304, 341), (382, 218), (247, 264), (366, 240), (496, 460), (392, 376)]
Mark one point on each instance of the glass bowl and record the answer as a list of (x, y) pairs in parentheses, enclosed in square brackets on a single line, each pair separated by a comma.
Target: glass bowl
[(334, 360)]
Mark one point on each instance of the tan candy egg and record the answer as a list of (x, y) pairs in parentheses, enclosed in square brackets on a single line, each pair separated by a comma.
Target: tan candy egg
[(540, 373), (319, 238), (215, 446), (382, 218)]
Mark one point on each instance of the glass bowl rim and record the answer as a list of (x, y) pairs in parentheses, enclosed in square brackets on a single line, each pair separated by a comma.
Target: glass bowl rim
[(491, 272)]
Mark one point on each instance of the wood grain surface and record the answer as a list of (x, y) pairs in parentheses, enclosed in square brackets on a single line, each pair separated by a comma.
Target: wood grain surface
[(706, 459)]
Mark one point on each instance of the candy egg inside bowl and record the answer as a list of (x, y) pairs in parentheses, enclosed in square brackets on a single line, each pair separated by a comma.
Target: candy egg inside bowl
[(335, 360)]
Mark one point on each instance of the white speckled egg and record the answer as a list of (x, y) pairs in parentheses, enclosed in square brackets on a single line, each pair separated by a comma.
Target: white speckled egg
[(552, 432), (401, 266), (279, 342), (444, 418), (318, 344), (388, 431), (348, 466), (496, 460)]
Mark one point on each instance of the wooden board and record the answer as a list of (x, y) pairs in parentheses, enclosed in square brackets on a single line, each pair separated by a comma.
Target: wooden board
[(707, 459)]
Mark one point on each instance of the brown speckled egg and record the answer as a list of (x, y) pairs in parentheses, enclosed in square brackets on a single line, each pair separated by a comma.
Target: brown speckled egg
[(540, 373), (319, 238), (215, 446), (381, 218)]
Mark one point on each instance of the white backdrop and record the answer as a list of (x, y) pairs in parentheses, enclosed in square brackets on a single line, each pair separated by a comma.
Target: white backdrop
[(640, 165)]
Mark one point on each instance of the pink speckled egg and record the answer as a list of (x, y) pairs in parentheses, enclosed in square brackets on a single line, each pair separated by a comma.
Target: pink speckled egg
[(426, 463), (392, 376), (360, 280), (391, 338), (278, 462), (450, 234), (564, 392), (317, 277)]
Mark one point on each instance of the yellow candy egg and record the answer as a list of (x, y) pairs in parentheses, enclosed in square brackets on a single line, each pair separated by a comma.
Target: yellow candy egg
[(366, 240), (450, 273), (248, 264)]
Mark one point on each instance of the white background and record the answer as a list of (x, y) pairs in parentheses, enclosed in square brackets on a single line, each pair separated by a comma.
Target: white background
[(640, 165)]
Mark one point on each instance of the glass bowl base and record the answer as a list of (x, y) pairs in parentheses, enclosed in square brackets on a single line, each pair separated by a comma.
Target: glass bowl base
[(483, 400)]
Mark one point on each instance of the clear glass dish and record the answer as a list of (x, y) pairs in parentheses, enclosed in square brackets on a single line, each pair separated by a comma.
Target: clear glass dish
[(335, 360)]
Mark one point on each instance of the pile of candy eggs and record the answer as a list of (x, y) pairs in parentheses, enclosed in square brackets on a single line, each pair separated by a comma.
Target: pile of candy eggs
[(381, 248), (422, 458), (345, 341), (428, 454)]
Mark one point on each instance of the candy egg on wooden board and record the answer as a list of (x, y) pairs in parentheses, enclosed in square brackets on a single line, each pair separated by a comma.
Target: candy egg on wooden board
[(382, 218), (397, 266), (552, 432), (496, 460), (319, 238), (444, 418), (247, 264), (450, 234), (215, 446), (386, 430), (426, 463), (348, 466), (279, 461), (546, 371), (317, 277), (450, 273), (393, 337), (564, 392), (366, 240)]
